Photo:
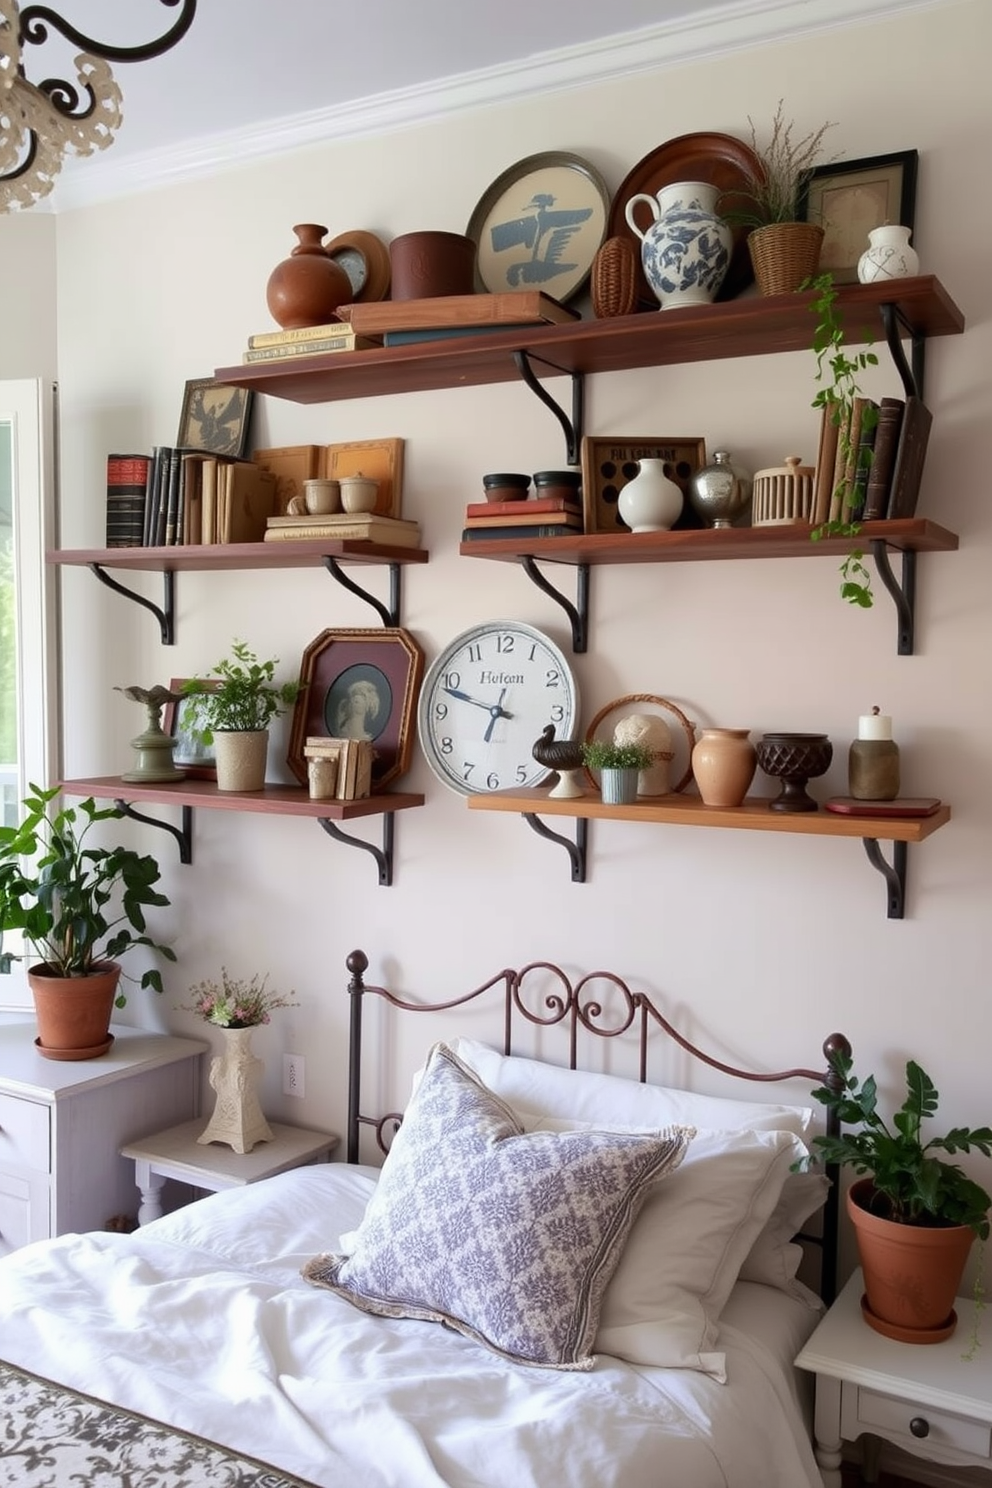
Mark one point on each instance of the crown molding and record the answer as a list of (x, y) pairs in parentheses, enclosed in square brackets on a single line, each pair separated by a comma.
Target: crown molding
[(721, 28)]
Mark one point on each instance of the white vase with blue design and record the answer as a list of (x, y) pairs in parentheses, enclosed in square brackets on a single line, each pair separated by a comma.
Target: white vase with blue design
[(686, 249)]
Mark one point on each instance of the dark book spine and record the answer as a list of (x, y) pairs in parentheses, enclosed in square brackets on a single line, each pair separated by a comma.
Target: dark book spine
[(127, 487), (863, 457), (151, 504), (890, 412), (540, 529), (170, 504), (911, 454)]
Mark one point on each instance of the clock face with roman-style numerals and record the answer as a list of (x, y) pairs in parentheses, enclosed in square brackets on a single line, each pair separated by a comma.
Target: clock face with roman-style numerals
[(485, 702)]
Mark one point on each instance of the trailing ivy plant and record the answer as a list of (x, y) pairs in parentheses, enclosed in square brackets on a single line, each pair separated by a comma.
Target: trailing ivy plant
[(838, 371)]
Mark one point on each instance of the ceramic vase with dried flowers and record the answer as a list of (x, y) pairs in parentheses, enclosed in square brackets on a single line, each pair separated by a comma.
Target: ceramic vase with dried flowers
[(785, 250), (237, 1007)]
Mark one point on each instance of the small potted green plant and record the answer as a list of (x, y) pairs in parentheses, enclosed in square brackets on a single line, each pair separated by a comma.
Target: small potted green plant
[(619, 765), (238, 702), (785, 251), (915, 1215), (80, 907)]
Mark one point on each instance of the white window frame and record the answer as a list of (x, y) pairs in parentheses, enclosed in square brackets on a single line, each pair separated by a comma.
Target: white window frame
[(26, 405)]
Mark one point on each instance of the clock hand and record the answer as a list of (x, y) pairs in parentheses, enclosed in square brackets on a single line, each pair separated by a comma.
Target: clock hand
[(497, 712), (454, 692)]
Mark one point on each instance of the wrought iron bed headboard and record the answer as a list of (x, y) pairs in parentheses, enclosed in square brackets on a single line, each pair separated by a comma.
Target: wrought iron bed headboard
[(576, 1006)]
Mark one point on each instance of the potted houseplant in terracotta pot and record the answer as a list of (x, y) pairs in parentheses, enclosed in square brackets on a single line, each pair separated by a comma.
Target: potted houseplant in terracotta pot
[(619, 766), (785, 251), (915, 1215), (81, 907), (239, 701)]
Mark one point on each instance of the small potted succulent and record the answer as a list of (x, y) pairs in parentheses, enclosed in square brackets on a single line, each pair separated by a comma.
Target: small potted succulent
[(915, 1215), (239, 701), (619, 765), (80, 907)]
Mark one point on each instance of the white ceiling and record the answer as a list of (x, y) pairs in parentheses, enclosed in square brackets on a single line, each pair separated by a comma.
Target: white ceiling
[(254, 76)]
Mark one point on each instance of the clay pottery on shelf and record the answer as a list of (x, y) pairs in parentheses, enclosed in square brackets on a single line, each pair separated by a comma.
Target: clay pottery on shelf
[(308, 286), (650, 502), (723, 763), (685, 251), (427, 264), (794, 759), (911, 1272), (359, 493), (506, 485), (888, 255)]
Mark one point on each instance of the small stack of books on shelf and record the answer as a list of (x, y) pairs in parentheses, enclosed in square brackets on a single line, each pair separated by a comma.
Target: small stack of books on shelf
[(537, 516), (338, 335), (869, 469), (353, 775), (400, 322), (394, 532), (177, 497)]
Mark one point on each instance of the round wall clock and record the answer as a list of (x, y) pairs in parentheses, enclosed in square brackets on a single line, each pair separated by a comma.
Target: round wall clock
[(486, 700), (365, 259)]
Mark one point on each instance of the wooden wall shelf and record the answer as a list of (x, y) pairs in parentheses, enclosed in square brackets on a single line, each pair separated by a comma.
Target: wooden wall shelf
[(753, 326), (753, 816)]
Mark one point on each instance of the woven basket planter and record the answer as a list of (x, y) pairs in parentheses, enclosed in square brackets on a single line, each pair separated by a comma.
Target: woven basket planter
[(784, 255)]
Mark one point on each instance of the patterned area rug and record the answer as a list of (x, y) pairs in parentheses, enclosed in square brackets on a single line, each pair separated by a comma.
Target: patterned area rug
[(51, 1437)]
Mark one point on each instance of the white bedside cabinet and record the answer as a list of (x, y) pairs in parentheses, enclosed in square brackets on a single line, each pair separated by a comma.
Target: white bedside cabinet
[(63, 1122), (927, 1399)]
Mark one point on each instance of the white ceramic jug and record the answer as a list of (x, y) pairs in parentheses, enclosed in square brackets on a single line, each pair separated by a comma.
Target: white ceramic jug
[(686, 250)]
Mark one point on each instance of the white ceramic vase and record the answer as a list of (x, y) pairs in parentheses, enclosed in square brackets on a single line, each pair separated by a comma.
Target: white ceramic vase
[(888, 255), (651, 502), (685, 252), (235, 1075)]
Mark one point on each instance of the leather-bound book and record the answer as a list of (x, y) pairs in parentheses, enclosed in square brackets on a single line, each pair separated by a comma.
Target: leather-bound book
[(911, 454), (890, 412)]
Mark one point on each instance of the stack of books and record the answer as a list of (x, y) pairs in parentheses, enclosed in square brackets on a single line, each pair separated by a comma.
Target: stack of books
[(338, 335), (353, 757), (869, 469), (178, 497), (394, 532), (538, 516), (399, 322)]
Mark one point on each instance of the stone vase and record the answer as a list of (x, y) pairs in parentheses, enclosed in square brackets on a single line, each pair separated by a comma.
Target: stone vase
[(888, 255), (685, 252), (241, 759), (235, 1075), (723, 763), (650, 502)]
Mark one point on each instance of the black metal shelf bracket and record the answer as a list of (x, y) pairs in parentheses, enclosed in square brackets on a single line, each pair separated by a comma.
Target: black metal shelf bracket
[(184, 837), (904, 594), (389, 617), (383, 856), (896, 327), (894, 874), (578, 614), (166, 616), (576, 850), (572, 427)]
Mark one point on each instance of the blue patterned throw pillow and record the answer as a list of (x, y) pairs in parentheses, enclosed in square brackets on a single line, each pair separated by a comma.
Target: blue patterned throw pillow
[(508, 1237)]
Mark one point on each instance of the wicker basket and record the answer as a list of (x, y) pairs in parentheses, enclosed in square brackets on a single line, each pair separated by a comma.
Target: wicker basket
[(613, 280), (784, 255)]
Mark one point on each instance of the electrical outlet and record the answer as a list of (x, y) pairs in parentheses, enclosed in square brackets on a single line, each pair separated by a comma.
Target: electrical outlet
[(294, 1075)]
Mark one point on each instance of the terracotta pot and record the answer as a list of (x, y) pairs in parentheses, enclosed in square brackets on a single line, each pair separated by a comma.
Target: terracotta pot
[(723, 762), (73, 1013), (241, 759), (912, 1272), (307, 288)]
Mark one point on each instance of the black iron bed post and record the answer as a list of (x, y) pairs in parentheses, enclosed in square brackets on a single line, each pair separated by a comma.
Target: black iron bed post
[(357, 963), (835, 1044)]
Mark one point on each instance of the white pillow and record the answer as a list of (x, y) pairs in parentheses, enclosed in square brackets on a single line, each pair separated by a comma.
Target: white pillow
[(774, 1259)]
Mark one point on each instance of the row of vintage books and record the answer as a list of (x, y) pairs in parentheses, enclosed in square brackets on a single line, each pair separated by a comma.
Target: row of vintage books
[(176, 497), (536, 516), (869, 469)]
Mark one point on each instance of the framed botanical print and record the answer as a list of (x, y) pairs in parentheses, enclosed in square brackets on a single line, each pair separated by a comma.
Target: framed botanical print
[(215, 418), (359, 684), (851, 197)]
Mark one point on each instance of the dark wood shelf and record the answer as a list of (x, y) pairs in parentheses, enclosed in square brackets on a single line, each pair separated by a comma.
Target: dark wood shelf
[(274, 800), (913, 534), (753, 326), (300, 553), (688, 811)]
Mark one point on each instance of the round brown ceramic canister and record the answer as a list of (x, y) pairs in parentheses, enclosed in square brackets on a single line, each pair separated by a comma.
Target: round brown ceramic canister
[(426, 264)]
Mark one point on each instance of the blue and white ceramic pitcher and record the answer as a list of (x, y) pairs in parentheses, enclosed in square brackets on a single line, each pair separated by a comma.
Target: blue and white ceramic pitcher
[(686, 250)]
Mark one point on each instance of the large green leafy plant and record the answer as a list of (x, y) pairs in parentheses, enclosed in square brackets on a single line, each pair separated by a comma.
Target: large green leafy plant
[(913, 1185), (77, 904)]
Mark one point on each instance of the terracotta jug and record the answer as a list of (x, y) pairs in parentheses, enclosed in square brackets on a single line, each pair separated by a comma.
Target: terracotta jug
[(723, 762), (307, 288)]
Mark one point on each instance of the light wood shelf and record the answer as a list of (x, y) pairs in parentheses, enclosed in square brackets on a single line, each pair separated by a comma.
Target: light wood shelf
[(301, 553)]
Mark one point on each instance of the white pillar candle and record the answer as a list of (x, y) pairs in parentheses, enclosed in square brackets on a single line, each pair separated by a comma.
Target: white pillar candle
[(875, 725)]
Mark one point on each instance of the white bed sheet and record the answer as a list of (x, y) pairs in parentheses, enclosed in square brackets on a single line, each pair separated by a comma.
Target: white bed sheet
[(201, 1320)]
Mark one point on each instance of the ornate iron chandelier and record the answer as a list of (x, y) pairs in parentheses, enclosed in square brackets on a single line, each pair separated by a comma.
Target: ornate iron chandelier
[(40, 123)]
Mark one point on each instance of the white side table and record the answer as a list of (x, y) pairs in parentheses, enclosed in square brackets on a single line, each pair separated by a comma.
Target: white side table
[(176, 1153), (927, 1399)]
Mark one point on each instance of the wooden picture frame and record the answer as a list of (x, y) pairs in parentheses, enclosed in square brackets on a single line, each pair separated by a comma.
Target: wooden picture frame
[(610, 461), (382, 669), (291, 464), (850, 197), (215, 418), (189, 754), (379, 459)]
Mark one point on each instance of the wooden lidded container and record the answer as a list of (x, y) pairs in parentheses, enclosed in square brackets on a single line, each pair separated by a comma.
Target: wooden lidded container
[(783, 494)]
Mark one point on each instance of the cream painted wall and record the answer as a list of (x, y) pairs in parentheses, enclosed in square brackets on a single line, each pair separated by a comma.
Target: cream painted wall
[(758, 946), (27, 301)]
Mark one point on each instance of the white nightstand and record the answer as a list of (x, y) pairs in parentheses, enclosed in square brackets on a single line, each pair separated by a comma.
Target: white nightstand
[(926, 1398), (176, 1153)]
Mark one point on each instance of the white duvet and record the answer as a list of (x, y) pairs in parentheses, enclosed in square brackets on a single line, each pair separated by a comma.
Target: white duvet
[(201, 1320)]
